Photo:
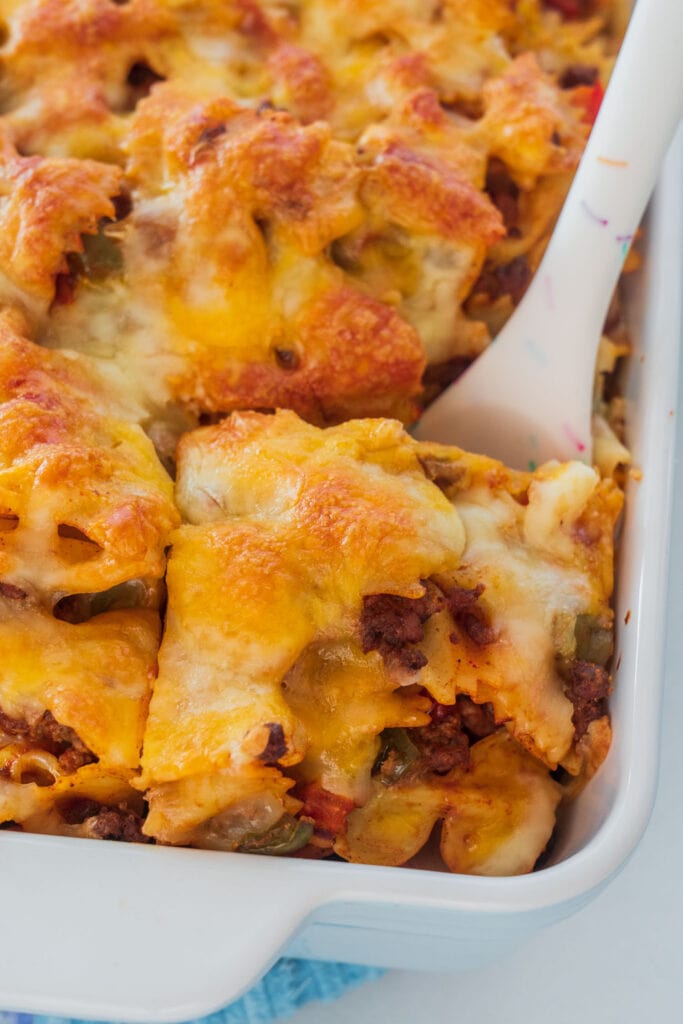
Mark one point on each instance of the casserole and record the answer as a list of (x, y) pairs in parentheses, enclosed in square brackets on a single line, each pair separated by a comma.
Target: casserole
[(304, 897), (167, 934), (428, 600)]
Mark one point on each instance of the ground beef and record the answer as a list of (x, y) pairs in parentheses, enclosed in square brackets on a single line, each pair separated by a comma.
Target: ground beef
[(587, 688), (65, 288), (11, 592), (506, 279), (123, 205), (73, 608), (118, 824), (461, 599), (447, 475), (102, 821), (73, 758), (327, 811), (444, 744), (51, 734), (48, 734), (392, 624), (504, 193), (476, 628), (140, 79), (12, 726), (477, 719), (74, 810), (471, 619), (578, 74), (61, 741), (438, 376), (571, 9)]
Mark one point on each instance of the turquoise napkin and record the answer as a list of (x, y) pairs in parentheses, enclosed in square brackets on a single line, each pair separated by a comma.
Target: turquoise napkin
[(287, 987)]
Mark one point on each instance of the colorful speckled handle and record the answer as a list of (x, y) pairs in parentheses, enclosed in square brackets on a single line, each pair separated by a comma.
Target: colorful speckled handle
[(528, 397)]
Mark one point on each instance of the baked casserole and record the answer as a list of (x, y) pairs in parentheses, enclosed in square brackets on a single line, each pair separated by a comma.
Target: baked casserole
[(241, 246)]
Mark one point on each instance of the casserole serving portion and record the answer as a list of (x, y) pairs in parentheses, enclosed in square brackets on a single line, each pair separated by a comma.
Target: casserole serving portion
[(359, 651), (86, 512), (369, 191)]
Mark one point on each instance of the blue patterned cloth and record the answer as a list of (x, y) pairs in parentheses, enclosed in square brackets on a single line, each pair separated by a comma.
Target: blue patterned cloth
[(286, 988)]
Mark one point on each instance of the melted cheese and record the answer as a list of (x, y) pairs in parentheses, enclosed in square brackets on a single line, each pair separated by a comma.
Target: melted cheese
[(45, 207), (214, 811), (71, 466), (276, 569), (344, 700), (94, 677), (289, 527), (540, 568), (260, 192)]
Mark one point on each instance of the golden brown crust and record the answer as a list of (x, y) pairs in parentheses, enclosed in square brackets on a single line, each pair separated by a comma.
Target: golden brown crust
[(95, 677), (89, 504), (419, 195), (299, 177), (66, 69), (45, 207), (301, 82), (267, 319), (348, 526), (290, 220), (317, 370), (530, 123), (73, 705)]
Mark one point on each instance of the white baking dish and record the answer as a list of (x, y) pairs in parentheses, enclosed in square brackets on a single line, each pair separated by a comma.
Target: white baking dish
[(105, 930)]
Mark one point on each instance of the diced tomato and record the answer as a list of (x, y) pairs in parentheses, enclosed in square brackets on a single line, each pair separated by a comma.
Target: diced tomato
[(572, 8), (589, 98), (65, 289), (328, 810)]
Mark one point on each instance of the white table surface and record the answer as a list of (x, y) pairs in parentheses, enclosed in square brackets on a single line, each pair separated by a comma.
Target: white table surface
[(620, 959)]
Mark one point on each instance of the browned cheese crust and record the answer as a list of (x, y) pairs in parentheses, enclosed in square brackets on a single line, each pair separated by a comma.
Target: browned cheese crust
[(328, 209)]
